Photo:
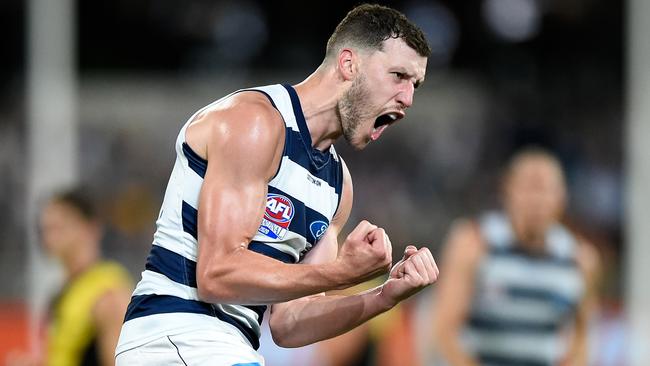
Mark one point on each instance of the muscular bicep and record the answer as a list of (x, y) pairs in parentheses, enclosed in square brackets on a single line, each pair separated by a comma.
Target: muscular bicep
[(243, 150)]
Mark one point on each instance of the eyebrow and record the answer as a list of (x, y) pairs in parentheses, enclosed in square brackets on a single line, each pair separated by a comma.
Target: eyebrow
[(410, 76), (417, 83)]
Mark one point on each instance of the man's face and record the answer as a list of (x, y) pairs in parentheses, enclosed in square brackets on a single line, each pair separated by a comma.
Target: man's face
[(535, 194), (63, 229), (381, 91)]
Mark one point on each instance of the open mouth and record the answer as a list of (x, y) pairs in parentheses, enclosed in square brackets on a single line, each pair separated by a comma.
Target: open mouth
[(382, 122)]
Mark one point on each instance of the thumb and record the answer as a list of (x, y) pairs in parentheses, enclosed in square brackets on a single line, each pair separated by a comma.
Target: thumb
[(398, 268), (409, 251)]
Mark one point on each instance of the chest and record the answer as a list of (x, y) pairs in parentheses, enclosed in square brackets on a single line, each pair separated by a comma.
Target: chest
[(299, 208), (508, 281)]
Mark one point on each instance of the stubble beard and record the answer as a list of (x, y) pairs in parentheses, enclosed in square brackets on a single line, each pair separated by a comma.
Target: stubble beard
[(353, 109)]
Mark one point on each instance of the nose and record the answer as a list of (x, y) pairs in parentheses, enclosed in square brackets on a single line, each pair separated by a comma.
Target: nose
[(405, 96)]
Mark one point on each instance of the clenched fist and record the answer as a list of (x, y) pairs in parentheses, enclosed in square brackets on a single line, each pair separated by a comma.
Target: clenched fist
[(415, 271), (365, 254)]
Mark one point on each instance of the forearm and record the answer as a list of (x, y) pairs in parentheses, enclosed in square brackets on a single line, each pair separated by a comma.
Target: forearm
[(577, 354), (309, 320), (246, 277)]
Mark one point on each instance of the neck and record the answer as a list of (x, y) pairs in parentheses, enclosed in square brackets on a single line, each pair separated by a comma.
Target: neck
[(531, 238), (79, 261), (319, 95)]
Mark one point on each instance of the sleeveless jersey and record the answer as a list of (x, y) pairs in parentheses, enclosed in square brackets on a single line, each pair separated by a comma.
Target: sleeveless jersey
[(72, 335), (302, 199), (523, 301)]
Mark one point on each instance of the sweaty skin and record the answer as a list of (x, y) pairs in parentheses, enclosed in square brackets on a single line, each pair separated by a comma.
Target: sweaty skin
[(242, 138)]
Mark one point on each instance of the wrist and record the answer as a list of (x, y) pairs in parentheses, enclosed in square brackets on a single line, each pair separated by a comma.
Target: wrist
[(385, 301), (338, 275)]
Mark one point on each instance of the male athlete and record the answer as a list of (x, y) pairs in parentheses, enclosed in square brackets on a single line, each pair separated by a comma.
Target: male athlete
[(257, 199), (518, 286), (83, 321)]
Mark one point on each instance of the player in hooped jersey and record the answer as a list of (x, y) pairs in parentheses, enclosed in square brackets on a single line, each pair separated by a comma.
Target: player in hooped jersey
[(257, 199)]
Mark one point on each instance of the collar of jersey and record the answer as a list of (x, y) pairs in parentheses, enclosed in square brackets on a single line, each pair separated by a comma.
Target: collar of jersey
[(318, 158)]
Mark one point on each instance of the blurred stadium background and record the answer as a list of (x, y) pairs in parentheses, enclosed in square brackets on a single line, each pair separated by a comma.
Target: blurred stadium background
[(95, 92)]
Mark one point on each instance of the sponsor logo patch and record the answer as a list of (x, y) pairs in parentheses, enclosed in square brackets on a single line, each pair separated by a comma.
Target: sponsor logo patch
[(277, 216), (313, 180), (317, 229)]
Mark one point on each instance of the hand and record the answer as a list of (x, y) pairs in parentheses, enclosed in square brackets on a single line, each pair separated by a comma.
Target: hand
[(415, 271), (365, 254)]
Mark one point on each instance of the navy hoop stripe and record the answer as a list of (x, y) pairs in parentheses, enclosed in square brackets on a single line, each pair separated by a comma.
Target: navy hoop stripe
[(182, 270), (144, 305), (195, 162), (508, 360), (172, 265), (514, 326), (269, 251), (190, 219)]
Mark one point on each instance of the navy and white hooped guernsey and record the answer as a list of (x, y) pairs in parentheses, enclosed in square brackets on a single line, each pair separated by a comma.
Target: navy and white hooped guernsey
[(302, 199), (522, 302)]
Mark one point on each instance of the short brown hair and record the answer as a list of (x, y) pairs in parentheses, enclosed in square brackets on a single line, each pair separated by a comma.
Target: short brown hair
[(78, 199), (368, 26), (534, 152)]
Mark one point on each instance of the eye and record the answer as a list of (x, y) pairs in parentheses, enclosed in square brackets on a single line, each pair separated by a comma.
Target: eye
[(398, 75)]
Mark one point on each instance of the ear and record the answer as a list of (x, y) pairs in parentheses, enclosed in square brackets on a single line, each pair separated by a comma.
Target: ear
[(347, 64)]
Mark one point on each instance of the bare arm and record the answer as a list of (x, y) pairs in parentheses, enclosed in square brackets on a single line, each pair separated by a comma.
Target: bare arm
[(311, 319), (108, 314), (243, 145), (453, 299), (589, 263)]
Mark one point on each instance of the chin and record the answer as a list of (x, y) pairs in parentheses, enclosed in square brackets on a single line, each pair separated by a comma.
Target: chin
[(357, 143), (360, 146)]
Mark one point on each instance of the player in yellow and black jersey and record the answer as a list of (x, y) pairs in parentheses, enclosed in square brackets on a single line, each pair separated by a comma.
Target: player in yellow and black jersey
[(85, 318)]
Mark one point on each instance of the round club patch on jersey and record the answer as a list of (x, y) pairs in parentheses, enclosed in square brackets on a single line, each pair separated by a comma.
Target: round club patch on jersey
[(277, 216), (317, 229)]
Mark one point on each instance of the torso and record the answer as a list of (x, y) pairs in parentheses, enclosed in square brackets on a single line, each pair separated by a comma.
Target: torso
[(72, 337), (522, 301), (303, 195)]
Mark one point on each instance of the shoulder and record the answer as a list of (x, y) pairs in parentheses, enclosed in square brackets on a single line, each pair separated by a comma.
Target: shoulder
[(587, 258), (110, 274), (111, 304), (247, 111), (114, 286), (246, 119), (465, 243)]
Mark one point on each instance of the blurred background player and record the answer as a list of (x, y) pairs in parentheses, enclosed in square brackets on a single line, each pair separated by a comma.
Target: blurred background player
[(518, 287), (85, 317)]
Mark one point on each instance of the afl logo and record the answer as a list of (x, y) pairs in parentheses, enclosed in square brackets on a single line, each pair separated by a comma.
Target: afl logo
[(317, 229), (277, 216), (279, 209)]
